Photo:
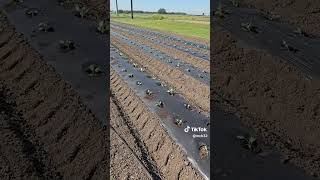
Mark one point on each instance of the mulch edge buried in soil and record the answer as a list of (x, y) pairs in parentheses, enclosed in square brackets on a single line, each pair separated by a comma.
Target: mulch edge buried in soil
[(163, 71), (173, 164), (194, 61), (72, 137), (271, 96)]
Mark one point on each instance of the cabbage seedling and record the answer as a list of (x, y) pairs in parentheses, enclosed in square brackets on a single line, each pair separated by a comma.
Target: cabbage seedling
[(187, 106), (32, 12), (248, 142), (149, 92), (81, 11), (67, 44), (45, 27), (139, 83), (220, 12), (93, 70), (249, 27), (235, 3), (159, 104), (103, 27), (171, 91), (178, 122)]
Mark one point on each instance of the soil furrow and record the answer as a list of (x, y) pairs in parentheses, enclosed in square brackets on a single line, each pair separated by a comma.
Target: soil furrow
[(133, 138), (25, 157), (168, 42), (271, 96), (154, 128), (183, 83), (171, 36), (196, 62), (174, 108), (90, 157), (175, 63)]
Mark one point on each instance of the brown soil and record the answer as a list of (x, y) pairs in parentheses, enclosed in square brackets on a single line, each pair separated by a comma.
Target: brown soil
[(271, 96), (180, 44), (52, 132), (124, 153), (120, 125), (187, 58), (165, 156), (301, 13), (123, 164), (188, 38), (173, 77), (21, 155)]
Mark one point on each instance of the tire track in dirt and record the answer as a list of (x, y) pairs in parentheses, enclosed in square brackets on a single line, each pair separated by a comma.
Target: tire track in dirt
[(175, 78), (194, 61), (66, 129), (168, 156)]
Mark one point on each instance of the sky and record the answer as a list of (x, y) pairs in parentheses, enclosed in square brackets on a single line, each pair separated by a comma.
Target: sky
[(187, 6)]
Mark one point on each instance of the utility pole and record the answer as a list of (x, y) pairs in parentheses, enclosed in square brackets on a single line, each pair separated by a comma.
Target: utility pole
[(117, 7), (131, 10)]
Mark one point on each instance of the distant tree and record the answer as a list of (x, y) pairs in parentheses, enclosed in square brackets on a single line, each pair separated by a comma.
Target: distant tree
[(120, 11), (202, 14), (162, 11)]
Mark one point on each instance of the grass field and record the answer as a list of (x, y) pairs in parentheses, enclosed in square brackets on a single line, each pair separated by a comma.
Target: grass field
[(187, 25)]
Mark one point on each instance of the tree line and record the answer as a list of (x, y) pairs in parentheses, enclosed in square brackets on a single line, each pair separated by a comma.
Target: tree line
[(160, 11)]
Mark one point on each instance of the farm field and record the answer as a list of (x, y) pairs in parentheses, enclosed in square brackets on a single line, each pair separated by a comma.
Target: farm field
[(186, 25), (52, 126), (153, 79), (266, 75)]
